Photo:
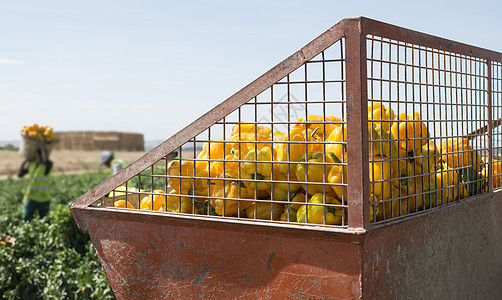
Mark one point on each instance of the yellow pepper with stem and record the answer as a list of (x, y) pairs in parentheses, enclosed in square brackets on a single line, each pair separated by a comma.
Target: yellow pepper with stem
[(289, 152), (217, 168), (337, 176), (313, 169), (427, 158), (317, 212), (323, 126), (281, 191), (243, 144), (258, 169), (225, 189), (381, 144), (290, 210), (336, 144)]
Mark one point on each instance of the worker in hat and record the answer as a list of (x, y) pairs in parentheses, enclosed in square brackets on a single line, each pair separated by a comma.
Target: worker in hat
[(107, 159), (37, 197)]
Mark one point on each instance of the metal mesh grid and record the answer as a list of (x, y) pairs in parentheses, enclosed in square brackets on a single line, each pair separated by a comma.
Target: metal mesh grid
[(425, 106), (496, 86), (282, 156), (279, 157)]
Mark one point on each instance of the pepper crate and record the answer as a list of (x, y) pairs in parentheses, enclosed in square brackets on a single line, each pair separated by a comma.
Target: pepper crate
[(363, 165)]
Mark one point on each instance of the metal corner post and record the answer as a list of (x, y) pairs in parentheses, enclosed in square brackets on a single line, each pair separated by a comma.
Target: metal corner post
[(490, 123), (357, 124)]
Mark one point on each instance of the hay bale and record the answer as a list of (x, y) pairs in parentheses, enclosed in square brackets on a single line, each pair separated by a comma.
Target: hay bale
[(101, 140)]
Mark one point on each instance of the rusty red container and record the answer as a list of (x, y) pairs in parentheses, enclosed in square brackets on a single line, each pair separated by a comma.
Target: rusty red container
[(441, 242)]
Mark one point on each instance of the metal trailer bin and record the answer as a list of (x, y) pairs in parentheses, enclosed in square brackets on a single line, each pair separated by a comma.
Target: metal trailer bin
[(292, 189)]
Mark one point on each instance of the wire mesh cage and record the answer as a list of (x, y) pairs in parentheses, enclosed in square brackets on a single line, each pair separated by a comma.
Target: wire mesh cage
[(293, 148), (315, 180)]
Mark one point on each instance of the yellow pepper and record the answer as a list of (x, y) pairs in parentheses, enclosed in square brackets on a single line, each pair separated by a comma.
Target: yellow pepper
[(316, 213), (380, 172), (217, 168), (289, 153), (497, 171), (178, 204), (427, 158), (380, 116), (321, 125), (214, 150), (458, 153), (381, 143), (153, 202), (264, 211), (336, 144), (123, 204), (225, 189), (279, 136), (190, 184), (405, 200), (338, 177), (401, 171), (396, 207), (241, 145), (411, 133), (314, 170), (245, 136), (258, 168), (290, 210), (425, 186), (412, 188), (447, 185), (281, 191), (248, 128)]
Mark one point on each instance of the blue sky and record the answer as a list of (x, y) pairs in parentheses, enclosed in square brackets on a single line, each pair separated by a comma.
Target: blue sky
[(155, 66)]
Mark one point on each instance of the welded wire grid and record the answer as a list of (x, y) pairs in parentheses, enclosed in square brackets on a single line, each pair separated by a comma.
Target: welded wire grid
[(496, 86), (279, 157), (430, 154)]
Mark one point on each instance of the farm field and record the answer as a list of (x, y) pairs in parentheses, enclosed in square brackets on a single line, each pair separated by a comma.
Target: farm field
[(51, 257)]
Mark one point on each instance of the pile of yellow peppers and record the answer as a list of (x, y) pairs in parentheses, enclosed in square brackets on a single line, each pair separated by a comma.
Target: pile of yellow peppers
[(301, 175), (45, 132)]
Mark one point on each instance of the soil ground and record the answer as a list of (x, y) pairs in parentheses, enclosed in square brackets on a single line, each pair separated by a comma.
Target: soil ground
[(65, 162)]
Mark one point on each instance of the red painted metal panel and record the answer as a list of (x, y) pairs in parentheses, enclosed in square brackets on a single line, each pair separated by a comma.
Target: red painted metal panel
[(454, 253), (170, 258)]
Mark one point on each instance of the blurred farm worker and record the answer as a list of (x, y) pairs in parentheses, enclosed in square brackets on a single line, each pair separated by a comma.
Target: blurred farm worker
[(37, 196), (115, 164)]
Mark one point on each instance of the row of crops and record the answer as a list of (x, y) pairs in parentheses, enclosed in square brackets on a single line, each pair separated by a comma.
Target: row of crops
[(51, 257)]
